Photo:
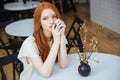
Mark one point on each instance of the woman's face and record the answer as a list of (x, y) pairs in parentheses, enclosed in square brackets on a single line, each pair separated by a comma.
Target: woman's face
[(47, 19)]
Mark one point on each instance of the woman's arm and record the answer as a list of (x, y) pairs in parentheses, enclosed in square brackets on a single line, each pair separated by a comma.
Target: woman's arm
[(62, 55), (45, 68)]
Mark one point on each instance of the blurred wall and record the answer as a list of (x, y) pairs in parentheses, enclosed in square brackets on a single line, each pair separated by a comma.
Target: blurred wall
[(106, 13), (80, 1)]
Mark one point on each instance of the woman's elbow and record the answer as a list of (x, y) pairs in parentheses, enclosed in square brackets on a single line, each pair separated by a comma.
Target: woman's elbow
[(46, 75), (63, 66)]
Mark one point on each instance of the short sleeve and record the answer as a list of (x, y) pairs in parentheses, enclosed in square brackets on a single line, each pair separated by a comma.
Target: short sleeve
[(28, 49)]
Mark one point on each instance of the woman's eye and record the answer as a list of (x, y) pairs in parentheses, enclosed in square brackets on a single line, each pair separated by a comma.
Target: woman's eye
[(44, 18), (54, 17)]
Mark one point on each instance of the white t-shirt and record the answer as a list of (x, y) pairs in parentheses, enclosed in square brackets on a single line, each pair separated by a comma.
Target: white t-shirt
[(28, 49)]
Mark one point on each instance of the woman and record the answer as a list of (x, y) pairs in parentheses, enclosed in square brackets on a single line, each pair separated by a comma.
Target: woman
[(40, 51)]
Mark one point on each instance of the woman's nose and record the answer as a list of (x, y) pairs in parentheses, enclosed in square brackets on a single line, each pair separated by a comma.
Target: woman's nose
[(51, 20)]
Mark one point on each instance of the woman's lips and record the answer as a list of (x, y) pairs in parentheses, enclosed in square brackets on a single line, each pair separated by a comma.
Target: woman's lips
[(50, 26)]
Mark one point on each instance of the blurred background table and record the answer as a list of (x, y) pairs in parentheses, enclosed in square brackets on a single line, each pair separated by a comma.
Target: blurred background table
[(21, 28), (17, 6), (107, 69), (19, 10)]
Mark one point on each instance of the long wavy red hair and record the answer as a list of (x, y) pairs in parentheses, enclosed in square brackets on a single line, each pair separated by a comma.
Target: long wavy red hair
[(38, 34)]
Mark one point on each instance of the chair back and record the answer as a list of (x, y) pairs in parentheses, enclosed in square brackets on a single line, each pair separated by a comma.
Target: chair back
[(16, 65), (73, 36), (11, 44), (5, 18), (3, 46)]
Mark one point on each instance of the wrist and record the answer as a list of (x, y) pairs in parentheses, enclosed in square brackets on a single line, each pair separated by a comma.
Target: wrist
[(56, 42)]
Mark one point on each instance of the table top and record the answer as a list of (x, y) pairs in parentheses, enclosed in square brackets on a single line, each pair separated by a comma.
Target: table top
[(18, 6), (21, 28), (107, 69)]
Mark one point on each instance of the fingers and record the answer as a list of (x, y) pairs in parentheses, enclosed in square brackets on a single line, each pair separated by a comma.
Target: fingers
[(59, 24), (58, 29)]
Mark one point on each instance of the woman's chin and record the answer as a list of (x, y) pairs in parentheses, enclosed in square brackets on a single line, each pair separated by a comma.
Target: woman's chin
[(50, 29)]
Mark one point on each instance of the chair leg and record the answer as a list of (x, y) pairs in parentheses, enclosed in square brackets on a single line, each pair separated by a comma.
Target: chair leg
[(7, 51), (60, 3), (3, 73), (80, 44), (14, 76), (68, 49), (73, 7), (61, 7), (18, 66), (3, 45)]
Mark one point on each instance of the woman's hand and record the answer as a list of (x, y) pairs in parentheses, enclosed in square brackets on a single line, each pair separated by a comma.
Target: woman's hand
[(63, 26), (58, 29), (62, 53), (59, 26)]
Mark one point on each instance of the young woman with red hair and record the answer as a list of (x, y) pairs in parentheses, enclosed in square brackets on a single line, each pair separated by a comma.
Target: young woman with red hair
[(46, 46)]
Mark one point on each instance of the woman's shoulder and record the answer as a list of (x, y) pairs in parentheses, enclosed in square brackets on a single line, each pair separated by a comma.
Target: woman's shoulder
[(29, 39), (29, 42), (29, 47)]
